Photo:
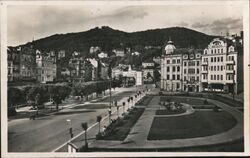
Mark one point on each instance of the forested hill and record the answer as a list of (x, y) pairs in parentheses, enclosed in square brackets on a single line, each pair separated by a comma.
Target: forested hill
[(108, 39)]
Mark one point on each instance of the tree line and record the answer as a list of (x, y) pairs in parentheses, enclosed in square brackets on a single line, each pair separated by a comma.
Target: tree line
[(37, 95)]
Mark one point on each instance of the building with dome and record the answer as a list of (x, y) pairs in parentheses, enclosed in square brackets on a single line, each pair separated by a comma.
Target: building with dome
[(171, 72), (180, 69)]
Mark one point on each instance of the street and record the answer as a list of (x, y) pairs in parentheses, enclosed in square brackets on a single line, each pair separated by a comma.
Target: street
[(47, 133)]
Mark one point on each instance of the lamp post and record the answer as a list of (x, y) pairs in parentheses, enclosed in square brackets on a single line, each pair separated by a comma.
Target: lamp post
[(98, 119), (70, 128), (109, 112), (117, 109), (85, 127), (123, 105), (132, 101), (128, 101)]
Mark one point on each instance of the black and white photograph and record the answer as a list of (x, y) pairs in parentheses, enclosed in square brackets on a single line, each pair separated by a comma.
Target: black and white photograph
[(124, 78)]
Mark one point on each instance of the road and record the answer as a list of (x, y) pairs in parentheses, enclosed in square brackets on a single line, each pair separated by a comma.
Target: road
[(45, 134)]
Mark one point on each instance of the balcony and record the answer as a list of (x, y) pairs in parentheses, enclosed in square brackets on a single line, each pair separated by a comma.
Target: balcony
[(230, 71), (230, 62), (204, 63)]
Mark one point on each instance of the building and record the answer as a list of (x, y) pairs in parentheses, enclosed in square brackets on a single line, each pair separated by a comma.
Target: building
[(102, 55), (191, 70), (222, 66), (96, 69), (80, 69), (13, 64), (21, 64), (180, 69), (119, 52), (94, 49), (104, 71), (171, 69), (148, 72), (45, 67)]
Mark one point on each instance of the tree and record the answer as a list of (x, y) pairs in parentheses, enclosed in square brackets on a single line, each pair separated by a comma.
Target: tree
[(59, 93)]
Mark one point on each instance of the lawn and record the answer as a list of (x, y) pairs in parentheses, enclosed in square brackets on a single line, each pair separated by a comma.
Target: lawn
[(92, 106), (144, 101), (198, 124), (166, 112), (121, 130), (191, 101)]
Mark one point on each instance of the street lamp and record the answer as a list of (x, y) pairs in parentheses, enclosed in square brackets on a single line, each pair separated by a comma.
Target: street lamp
[(109, 115), (85, 127), (128, 101), (70, 128), (123, 105)]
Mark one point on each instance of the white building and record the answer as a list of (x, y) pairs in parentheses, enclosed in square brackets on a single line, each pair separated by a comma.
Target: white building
[(222, 66), (102, 55), (46, 67)]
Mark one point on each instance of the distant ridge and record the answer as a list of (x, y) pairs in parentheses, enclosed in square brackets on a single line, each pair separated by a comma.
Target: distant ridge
[(108, 39)]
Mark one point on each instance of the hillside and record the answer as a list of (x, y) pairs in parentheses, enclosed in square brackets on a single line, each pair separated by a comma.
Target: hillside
[(108, 38)]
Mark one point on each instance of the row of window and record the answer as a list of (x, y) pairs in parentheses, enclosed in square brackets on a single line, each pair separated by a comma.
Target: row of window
[(192, 63), (218, 77), (191, 71), (177, 77), (174, 61), (174, 68), (215, 51)]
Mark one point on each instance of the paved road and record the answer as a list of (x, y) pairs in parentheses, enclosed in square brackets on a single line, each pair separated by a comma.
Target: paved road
[(47, 133)]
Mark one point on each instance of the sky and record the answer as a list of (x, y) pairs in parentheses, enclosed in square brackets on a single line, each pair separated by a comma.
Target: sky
[(27, 22)]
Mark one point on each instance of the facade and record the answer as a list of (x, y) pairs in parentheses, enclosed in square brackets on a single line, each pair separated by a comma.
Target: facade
[(191, 71), (119, 52), (102, 55), (21, 64), (222, 66), (148, 71), (45, 67), (13, 64), (80, 70)]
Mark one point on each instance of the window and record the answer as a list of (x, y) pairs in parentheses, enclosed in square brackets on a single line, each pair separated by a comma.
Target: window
[(168, 69), (221, 59), (198, 78), (212, 59), (212, 51), (191, 63), (218, 50), (214, 77), (42, 71), (178, 60), (204, 76), (173, 68), (173, 77), (191, 71), (168, 61), (218, 68), (221, 67), (173, 61), (218, 77), (197, 71), (178, 77), (185, 63), (167, 77), (185, 71), (212, 68), (218, 59), (198, 63), (185, 78), (178, 68), (211, 77), (221, 77)]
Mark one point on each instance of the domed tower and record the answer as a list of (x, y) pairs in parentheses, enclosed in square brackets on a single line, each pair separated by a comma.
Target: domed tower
[(169, 48)]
